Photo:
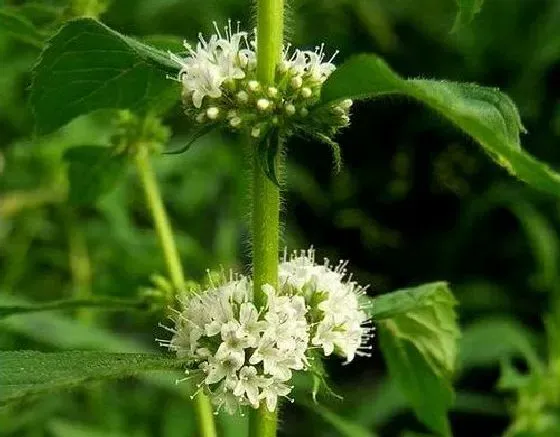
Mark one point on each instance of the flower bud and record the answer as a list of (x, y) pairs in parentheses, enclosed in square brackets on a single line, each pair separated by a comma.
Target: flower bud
[(212, 113), (296, 82), (235, 122), (290, 109), (263, 104), (253, 85), (242, 96), (306, 92)]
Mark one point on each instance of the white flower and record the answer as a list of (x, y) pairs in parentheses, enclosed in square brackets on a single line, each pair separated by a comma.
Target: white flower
[(249, 383), (241, 350), (272, 391), (336, 312), (247, 355), (224, 397), (268, 353), (224, 365), (251, 327), (219, 77), (309, 63), (325, 336), (213, 62)]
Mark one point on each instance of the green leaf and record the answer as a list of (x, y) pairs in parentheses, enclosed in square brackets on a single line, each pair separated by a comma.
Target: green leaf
[(63, 428), (485, 114), (466, 10), (400, 302), (20, 27), (25, 373), (92, 172), (87, 66), (343, 426), (488, 341), (420, 348), (543, 240), (71, 304), (63, 332)]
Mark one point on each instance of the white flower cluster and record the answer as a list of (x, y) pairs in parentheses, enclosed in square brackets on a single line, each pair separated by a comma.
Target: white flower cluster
[(247, 355), (336, 313), (220, 86)]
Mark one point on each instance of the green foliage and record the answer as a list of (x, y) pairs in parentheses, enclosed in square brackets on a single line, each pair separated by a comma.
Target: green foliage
[(485, 114), (342, 426), (86, 66), (466, 10), (92, 172), (25, 373), (389, 211), (537, 407), (488, 341), (71, 304), (20, 28), (396, 303), (420, 348)]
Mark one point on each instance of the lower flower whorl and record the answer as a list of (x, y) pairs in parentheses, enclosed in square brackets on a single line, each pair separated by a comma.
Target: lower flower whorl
[(245, 355)]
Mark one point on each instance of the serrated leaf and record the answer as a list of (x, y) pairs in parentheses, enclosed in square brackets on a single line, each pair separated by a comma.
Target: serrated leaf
[(466, 10), (66, 333), (420, 348), (25, 373), (485, 114), (20, 27), (92, 172), (87, 66)]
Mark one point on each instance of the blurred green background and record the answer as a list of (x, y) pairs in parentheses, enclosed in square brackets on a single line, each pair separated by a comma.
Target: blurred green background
[(415, 202)]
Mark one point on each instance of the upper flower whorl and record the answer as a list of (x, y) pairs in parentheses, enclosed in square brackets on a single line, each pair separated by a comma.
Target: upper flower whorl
[(220, 86)]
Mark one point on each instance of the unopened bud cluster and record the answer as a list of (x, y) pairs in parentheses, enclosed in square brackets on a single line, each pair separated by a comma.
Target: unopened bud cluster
[(244, 355), (132, 131), (220, 87)]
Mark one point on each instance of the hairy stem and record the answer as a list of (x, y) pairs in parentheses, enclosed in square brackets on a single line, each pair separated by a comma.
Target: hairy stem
[(265, 221), (173, 262), (270, 32)]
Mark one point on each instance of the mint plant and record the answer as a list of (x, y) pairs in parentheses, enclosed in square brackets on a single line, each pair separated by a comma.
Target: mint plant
[(241, 340)]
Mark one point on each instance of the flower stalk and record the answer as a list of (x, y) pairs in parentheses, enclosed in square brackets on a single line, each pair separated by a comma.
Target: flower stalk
[(171, 254), (265, 225), (159, 215)]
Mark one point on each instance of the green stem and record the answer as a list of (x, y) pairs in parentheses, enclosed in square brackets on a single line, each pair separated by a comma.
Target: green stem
[(80, 265), (270, 31), (165, 234), (265, 221), (159, 215), (265, 230), (263, 423)]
